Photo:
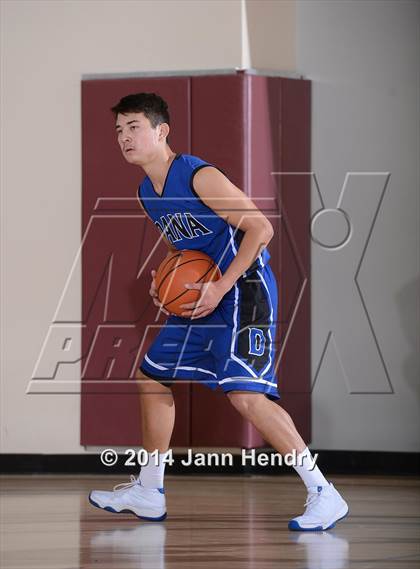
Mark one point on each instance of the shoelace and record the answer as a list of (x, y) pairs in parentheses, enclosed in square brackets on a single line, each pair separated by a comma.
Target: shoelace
[(124, 485), (311, 498)]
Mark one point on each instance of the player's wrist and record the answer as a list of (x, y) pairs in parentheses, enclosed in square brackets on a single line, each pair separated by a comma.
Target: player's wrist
[(229, 279), (225, 283)]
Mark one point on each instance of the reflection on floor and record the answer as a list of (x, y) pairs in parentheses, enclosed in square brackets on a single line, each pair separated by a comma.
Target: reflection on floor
[(213, 522)]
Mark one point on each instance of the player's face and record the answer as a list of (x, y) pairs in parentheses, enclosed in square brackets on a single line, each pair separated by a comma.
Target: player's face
[(137, 138)]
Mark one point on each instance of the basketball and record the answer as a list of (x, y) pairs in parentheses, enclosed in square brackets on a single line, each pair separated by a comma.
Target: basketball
[(186, 266)]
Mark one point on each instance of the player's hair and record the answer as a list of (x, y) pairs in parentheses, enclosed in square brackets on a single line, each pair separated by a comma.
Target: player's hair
[(150, 104)]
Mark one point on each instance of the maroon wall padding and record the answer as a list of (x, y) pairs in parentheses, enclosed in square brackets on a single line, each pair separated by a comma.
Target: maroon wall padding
[(295, 197), (280, 151), (254, 126), (219, 134), (250, 126)]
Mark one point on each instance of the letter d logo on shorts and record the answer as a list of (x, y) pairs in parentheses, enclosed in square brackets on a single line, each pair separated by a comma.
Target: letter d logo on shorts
[(256, 342)]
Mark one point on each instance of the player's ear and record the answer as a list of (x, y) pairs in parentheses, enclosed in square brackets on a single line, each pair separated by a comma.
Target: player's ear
[(164, 130)]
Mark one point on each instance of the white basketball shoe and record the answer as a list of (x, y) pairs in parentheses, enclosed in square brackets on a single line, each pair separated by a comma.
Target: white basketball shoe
[(324, 507), (132, 498)]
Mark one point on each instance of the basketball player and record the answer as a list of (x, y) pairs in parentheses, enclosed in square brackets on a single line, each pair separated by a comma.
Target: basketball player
[(226, 338)]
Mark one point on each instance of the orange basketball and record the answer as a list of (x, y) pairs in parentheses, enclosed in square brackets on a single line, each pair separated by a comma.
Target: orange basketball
[(182, 267)]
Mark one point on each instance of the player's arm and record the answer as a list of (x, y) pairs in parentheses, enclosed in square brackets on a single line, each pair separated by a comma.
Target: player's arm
[(229, 202)]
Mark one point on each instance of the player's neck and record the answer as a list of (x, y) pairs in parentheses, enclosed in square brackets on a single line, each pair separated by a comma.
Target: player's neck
[(158, 169)]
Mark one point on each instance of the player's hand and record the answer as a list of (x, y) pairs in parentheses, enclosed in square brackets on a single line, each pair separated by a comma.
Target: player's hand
[(211, 294), (153, 294)]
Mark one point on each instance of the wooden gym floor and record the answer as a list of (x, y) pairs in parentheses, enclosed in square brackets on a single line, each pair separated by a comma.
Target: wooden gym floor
[(213, 523)]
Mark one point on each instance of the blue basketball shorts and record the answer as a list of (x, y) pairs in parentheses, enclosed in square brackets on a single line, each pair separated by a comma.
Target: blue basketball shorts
[(231, 348)]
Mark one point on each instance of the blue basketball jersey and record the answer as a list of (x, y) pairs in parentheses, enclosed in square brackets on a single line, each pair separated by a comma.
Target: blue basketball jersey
[(186, 221), (233, 347)]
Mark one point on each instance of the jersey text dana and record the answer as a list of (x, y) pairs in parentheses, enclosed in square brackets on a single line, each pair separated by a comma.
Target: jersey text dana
[(181, 225)]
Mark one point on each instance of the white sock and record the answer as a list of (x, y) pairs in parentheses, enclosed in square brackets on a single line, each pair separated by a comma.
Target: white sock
[(151, 475), (310, 476)]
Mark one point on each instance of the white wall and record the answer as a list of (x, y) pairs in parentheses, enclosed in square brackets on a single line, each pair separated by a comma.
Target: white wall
[(362, 59), (46, 48), (271, 32)]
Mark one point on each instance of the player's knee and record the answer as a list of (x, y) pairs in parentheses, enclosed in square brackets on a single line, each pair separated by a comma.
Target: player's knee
[(244, 402)]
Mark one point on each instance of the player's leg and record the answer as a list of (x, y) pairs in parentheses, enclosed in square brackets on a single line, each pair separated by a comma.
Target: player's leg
[(276, 427), (173, 356), (157, 411), (144, 496), (325, 506), (247, 374), (157, 408), (271, 421)]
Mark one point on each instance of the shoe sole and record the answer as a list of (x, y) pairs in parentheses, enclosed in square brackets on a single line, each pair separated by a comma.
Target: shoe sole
[(294, 526), (127, 511)]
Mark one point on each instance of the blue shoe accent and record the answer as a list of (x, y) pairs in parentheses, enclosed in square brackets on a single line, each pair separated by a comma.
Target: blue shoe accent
[(107, 508), (331, 526), (152, 519), (112, 510), (294, 526)]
